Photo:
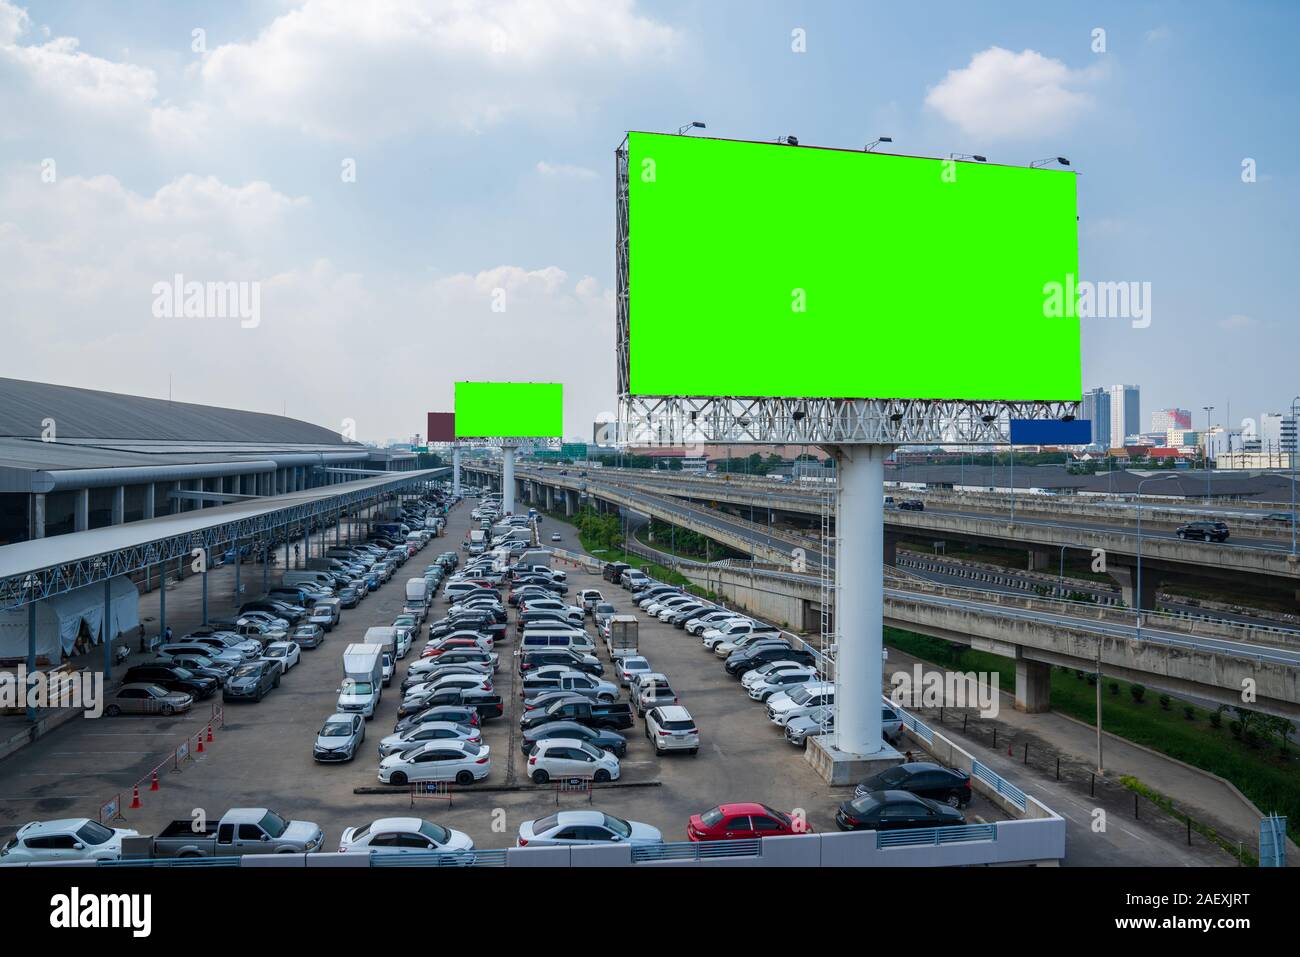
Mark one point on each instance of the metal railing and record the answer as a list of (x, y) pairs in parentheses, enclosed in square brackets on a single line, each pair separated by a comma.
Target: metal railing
[(696, 850), (173, 862), (999, 784), (959, 834), (489, 858)]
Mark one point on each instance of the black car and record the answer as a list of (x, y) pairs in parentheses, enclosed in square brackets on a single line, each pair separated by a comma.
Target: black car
[(925, 779), (1205, 531), (289, 613), (172, 678), (456, 714), (740, 662), (596, 737), (912, 505), (894, 811), (252, 681), (531, 660), (541, 615)]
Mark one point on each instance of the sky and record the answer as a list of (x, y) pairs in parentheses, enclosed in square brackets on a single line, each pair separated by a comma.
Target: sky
[(420, 191)]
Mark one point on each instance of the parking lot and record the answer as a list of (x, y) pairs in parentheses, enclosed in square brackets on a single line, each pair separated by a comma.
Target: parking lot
[(263, 754)]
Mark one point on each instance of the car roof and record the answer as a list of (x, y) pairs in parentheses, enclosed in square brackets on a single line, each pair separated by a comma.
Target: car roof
[(743, 807), (37, 828), (562, 742), (342, 715), (675, 712), (396, 824), (570, 818)]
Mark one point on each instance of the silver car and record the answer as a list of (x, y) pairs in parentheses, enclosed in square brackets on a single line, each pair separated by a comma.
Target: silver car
[(339, 738)]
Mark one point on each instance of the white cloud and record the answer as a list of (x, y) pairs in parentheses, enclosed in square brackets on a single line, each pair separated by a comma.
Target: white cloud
[(1004, 94), (1238, 323), (343, 70), (564, 171)]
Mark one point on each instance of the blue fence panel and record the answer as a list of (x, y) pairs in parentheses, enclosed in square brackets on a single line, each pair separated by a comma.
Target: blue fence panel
[(492, 858), (960, 834), (1000, 784), (912, 724), (1272, 841), (696, 850)]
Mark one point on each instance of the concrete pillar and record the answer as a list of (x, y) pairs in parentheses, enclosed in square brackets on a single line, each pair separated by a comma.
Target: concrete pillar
[(570, 502), (891, 548), (859, 670), (81, 510), (150, 499), (119, 505), (455, 470), (508, 478), (1033, 686), (1126, 576), (38, 516), (550, 498), (1040, 560)]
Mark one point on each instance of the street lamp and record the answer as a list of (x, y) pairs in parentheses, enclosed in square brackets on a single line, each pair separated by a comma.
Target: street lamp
[(1295, 447), (1039, 164), (1137, 592), (968, 156), (876, 142), (1205, 457), (693, 125)]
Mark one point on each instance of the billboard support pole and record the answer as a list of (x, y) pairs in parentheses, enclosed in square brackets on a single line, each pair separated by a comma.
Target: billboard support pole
[(455, 468), (860, 531), (508, 479)]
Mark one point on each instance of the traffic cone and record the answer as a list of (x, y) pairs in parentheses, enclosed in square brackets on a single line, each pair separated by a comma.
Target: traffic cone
[(209, 733), (135, 797), (153, 784), (200, 747)]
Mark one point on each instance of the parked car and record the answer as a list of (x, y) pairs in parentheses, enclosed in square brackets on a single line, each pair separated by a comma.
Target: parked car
[(925, 779), (428, 731), (630, 668), (172, 678), (310, 633), (64, 839), (570, 758), (144, 698), (339, 737), (1205, 531), (455, 713), (600, 738), (253, 680), (781, 680), (463, 762), (912, 505), (892, 811), (744, 820), (783, 706), (403, 835), (585, 827), (671, 728), (285, 652), (651, 691)]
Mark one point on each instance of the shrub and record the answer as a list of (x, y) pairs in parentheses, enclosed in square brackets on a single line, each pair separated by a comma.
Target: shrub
[(1138, 692), (1189, 712), (1114, 687), (1164, 702), (1216, 719)]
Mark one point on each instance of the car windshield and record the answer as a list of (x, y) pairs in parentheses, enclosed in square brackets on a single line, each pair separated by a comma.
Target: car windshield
[(180, 672), (618, 826), (435, 832), (800, 695), (92, 832), (273, 824), (274, 652), (336, 729), (247, 671), (361, 687)]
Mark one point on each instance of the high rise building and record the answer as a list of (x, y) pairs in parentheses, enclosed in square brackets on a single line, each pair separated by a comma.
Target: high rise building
[(1125, 412), (1277, 432), (1162, 420), (1096, 409)]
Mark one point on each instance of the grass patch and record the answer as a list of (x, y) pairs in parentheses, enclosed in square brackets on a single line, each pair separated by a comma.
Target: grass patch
[(1167, 805), (1267, 775)]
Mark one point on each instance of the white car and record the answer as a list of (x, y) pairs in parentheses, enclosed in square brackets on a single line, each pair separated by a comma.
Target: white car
[(403, 835), (671, 728), (781, 681), (585, 827), (728, 631), (424, 733), (570, 758), (65, 839), (783, 706), (756, 634), (713, 619), (463, 762), (755, 675), (359, 697), (630, 667), (555, 536)]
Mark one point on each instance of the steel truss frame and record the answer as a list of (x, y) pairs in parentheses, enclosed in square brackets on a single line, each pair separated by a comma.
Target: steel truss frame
[(19, 590), (672, 421)]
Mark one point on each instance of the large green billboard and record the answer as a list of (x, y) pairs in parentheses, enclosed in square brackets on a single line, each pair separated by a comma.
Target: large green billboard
[(509, 409), (762, 269)]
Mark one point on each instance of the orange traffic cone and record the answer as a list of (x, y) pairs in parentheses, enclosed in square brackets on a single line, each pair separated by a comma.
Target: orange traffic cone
[(209, 733), (153, 784), (200, 747), (135, 797)]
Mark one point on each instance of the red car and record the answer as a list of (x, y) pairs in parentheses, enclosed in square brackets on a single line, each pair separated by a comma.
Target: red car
[(731, 822)]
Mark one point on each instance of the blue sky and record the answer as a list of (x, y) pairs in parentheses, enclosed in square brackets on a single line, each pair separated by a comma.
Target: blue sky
[(483, 139)]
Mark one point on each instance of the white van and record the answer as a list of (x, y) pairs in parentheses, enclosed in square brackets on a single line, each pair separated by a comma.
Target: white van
[(535, 639)]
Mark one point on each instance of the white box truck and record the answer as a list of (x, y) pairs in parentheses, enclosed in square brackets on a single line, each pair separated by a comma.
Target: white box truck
[(417, 598), (363, 676), (621, 637)]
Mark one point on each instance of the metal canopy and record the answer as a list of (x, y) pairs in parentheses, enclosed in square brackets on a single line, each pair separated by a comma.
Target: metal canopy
[(33, 570)]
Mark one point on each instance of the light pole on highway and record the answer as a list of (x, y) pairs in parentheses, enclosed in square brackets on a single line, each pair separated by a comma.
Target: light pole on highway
[(1137, 591), (1205, 458)]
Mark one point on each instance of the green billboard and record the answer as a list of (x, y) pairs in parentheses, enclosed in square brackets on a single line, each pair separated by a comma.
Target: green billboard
[(762, 269), (509, 409)]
